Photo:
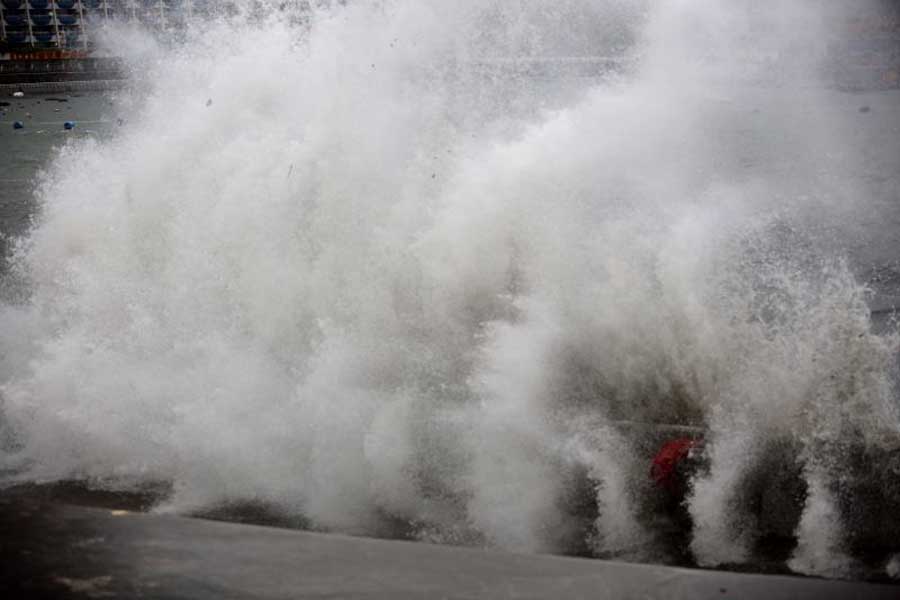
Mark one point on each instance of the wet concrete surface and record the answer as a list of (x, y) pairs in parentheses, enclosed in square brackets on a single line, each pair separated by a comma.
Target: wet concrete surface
[(54, 550)]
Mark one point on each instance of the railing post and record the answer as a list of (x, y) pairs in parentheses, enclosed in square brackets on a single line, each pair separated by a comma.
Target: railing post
[(81, 30), (28, 19), (54, 12)]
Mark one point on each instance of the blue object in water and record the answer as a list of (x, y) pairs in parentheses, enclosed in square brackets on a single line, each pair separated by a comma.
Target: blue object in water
[(69, 125), (18, 125)]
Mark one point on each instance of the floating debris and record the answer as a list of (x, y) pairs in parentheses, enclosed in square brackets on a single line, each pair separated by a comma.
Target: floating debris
[(18, 94), (68, 125), (18, 125)]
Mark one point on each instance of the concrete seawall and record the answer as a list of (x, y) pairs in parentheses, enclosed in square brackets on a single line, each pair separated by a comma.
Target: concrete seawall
[(60, 76), (61, 87)]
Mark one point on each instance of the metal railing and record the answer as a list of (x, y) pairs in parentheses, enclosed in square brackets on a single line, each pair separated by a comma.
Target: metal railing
[(157, 13), (62, 33)]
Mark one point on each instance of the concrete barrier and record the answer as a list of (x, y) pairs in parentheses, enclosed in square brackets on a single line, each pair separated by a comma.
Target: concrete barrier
[(62, 87), (60, 551)]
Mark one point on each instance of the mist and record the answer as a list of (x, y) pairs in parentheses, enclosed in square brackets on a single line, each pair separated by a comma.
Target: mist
[(367, 267)]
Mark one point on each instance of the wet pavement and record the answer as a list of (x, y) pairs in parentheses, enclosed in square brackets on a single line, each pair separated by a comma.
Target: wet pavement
[(53, 550)]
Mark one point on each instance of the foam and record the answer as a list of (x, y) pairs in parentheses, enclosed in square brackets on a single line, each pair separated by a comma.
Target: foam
[(369, 283)]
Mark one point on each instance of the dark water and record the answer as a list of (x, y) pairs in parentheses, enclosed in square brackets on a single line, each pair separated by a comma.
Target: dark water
[(24, 152)]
